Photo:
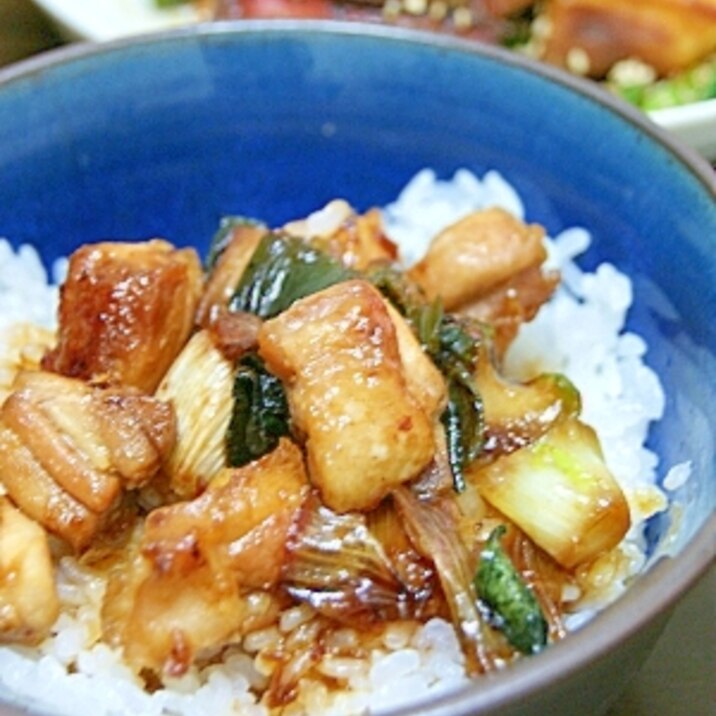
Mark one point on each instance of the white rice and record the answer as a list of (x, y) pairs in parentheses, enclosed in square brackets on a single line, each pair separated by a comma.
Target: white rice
[(621, 397), (27, 293)]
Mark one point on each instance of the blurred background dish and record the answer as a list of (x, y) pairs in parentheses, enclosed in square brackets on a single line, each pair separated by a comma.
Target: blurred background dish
[(694, 122)]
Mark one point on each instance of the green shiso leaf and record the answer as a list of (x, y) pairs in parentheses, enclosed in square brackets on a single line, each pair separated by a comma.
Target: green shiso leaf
[(513, 604), (282, 270), (454, 350), (260, 414)]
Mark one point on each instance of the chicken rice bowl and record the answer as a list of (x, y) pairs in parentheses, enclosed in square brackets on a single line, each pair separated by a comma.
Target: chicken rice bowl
[(333, 466)]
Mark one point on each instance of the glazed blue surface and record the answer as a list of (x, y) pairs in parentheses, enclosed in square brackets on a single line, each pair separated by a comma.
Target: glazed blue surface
[(163, 138)]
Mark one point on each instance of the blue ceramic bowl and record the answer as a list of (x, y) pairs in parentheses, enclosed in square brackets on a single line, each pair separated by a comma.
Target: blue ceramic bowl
[(163, 135)]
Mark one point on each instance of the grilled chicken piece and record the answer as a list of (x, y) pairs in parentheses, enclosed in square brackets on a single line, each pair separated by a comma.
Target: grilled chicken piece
[(68, 449), (162, 621), (510, 304), (228, 269), (470, 258), (201, 566), (126, 310), (28, 599), (39, 496), (355, 240), (348, 389), (423, 380), (668, 35), (239, 506)]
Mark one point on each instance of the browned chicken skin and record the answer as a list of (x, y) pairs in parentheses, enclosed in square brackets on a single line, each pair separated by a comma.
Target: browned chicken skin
[(201, 566), (338, 354), (488, 266), (475, 255), (125, 312), (68, 449)]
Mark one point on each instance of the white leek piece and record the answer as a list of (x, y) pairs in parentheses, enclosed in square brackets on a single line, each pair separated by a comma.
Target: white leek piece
[(559, 491), (199, 386)]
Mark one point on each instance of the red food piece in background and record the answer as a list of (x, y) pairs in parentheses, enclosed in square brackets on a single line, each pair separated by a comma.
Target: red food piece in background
[(305, 9)]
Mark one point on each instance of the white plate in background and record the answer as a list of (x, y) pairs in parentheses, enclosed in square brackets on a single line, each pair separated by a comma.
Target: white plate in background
[(693, 124), (100, 20)]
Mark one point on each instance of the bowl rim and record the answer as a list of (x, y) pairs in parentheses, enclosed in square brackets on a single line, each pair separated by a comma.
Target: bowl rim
[(657, 590), (86, 49), (79, 20), (689, 121)]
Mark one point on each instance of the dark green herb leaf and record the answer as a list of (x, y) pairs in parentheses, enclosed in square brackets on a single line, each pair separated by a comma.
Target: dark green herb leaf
[(458, 348), (464, 428), (403, 293), (513, 604), (454, 350), (260, 413), (453, 434), (428, 325), (463, 418), (282, 270)]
